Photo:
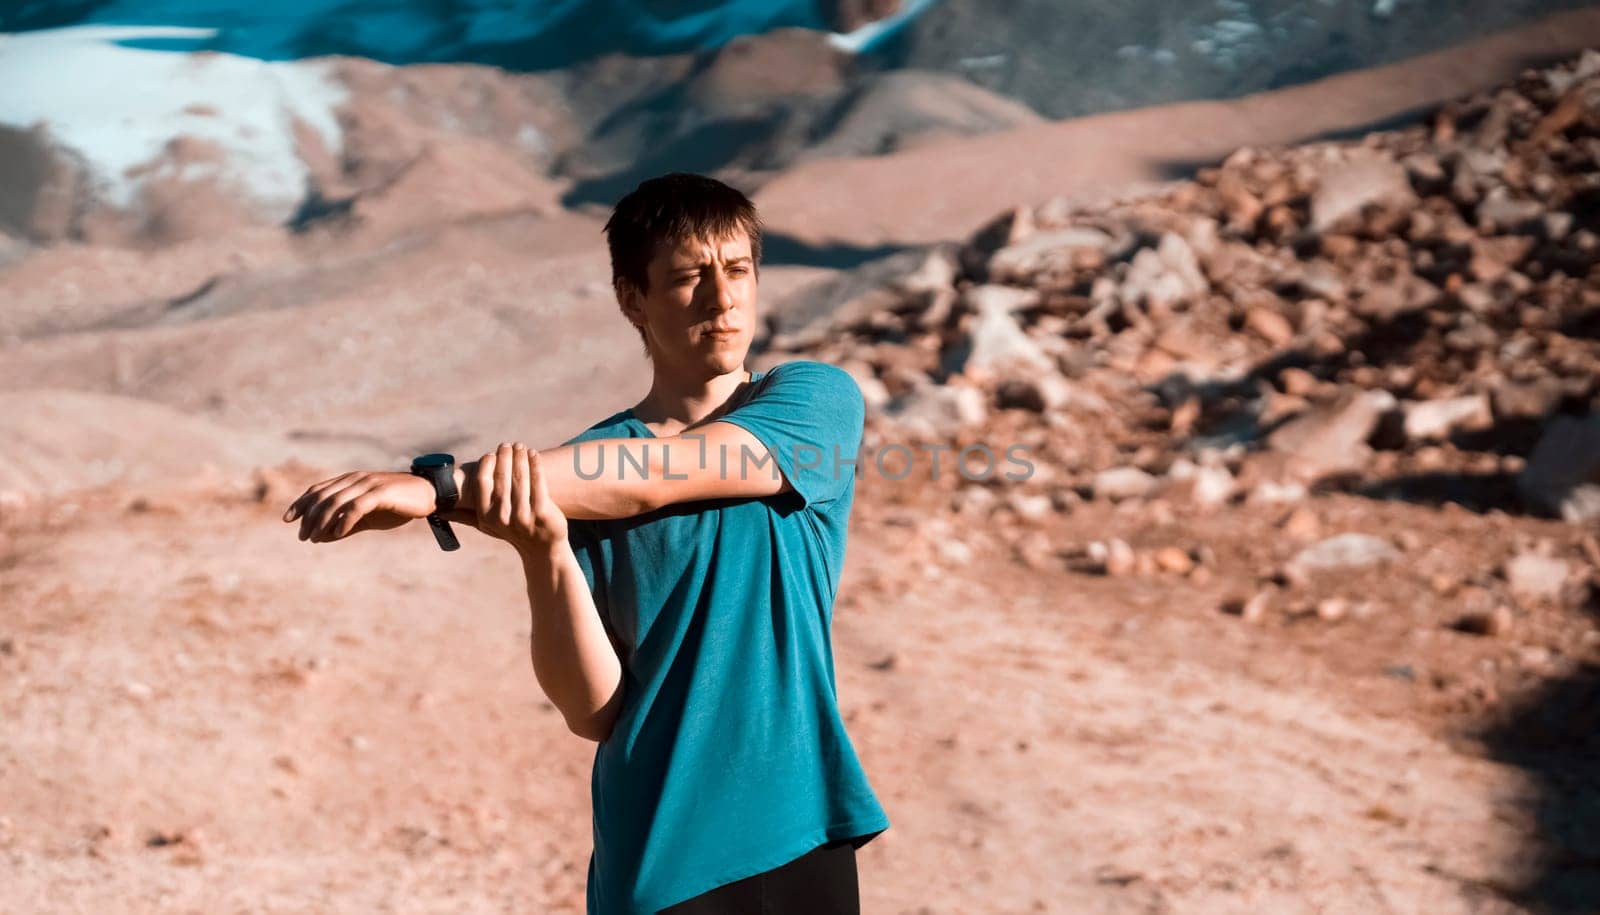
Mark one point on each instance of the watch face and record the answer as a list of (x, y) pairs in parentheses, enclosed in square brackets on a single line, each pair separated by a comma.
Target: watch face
[(436, 459)]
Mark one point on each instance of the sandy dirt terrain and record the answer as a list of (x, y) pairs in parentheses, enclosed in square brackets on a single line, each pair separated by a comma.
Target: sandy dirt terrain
[(207, 715), (1101, 691)]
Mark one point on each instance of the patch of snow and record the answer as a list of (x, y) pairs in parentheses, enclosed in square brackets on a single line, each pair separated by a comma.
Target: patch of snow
[(982, 63), (532, 141), (118, 106), (1151, 55), (1226, 41), (863, 38)]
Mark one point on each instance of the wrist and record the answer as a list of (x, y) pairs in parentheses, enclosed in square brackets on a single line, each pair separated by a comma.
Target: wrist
[(542, 552)]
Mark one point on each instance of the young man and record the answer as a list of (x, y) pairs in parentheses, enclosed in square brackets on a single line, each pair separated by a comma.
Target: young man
[(682, 558)]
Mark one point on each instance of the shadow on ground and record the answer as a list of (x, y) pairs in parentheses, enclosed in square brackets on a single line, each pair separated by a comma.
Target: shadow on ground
[(1553, 735)]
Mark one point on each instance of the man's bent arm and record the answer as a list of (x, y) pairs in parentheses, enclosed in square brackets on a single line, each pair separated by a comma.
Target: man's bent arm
[(573, 657), (623, 477)]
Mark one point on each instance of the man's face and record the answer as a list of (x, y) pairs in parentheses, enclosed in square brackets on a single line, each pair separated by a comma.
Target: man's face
[(700, 313)]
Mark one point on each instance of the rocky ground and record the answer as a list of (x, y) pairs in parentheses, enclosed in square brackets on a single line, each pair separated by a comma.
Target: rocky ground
[(1328, 390), (221, 718), (1293, 612)]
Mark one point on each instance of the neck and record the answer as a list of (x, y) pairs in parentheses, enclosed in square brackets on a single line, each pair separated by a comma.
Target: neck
[(676, 402)]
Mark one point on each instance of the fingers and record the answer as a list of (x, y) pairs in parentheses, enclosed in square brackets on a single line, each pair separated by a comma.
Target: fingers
[(501, 475), (546, 522), (339, 512), (299, 507), (504, 491), (536, 486), (485, 484), (315, 517), (502, 483), (358, 503), (522, 485)]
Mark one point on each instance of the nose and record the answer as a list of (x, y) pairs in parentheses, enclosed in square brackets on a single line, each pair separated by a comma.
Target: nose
[(721, 292)]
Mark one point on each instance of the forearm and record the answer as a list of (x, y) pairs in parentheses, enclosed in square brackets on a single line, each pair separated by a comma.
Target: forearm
[(573, 658), (623, 477), (621, 487)]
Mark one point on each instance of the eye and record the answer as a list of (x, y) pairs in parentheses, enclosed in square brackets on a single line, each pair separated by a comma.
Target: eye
[(737, 271)]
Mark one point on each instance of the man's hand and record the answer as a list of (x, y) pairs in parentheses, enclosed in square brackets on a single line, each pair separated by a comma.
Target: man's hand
[(362, 500), (513, 502)]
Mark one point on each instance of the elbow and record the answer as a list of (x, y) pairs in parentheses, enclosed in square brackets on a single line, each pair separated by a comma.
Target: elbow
[(597, 725), (592, 728), (646, 500)]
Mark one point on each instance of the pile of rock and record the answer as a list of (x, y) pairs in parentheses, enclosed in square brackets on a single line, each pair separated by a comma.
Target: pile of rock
[(1420, 306)]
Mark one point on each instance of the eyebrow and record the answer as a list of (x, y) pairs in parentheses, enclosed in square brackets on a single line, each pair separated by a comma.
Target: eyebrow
[(742, 259)]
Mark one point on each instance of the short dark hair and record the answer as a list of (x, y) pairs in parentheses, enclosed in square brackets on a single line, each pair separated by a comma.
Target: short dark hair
[(669, 209)]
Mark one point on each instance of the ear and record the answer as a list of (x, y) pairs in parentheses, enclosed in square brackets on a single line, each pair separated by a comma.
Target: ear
[(630, 301)]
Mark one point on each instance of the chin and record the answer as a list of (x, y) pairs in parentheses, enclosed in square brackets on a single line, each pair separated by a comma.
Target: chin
[(716, 360), (718, 352)]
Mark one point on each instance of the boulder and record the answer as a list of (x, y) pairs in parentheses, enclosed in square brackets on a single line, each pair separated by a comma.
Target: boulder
[(1533, 577), (938, 411), (995, 343), (1269, 324), (1534, 399), (935, 270), (1113, 557), (1431, 420), (1047, 253), (1334, 437), (1162, 277), (1118, 483), (1344, 551), (1500, 212), (1208, 485), (1001, 232), (1348, 190)]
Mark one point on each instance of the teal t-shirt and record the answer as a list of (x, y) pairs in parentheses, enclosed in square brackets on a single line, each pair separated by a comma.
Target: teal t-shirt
[(729, 756)]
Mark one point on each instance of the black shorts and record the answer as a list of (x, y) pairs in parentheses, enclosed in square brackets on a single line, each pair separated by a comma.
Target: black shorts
[(819, 882)]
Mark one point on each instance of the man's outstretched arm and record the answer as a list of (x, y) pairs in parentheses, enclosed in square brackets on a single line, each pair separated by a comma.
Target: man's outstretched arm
[(623, 477)]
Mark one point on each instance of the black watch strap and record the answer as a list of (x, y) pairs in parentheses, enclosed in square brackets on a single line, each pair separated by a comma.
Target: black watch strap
[(439, 469), (443, 533)]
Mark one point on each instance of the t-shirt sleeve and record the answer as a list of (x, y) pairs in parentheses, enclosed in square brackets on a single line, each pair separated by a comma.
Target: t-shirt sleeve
[(584, 536), (584, 541), (809, 415)]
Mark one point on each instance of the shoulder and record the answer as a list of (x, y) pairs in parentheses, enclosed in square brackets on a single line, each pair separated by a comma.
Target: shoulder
[(806, 368), (613, 426), (808, 373)]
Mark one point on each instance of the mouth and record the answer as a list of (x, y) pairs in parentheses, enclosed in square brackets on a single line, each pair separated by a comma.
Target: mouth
[(722, 333)]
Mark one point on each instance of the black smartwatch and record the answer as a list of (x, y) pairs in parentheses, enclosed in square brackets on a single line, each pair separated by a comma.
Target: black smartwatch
[(440, 470)]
